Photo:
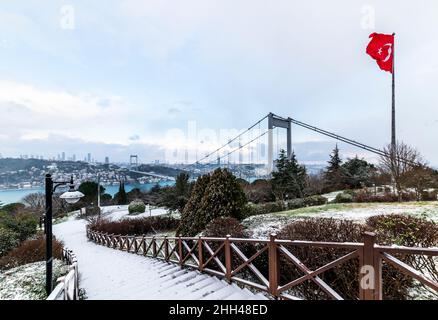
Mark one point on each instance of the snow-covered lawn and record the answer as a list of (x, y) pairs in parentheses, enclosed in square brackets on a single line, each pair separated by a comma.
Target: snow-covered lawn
[(331, 195), (362, 211), (262, 225), (120, 212), (27, 282), (107, 273)]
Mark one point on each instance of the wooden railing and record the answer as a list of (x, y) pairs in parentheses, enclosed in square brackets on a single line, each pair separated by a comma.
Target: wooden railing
[(225, 257), (67, 287)]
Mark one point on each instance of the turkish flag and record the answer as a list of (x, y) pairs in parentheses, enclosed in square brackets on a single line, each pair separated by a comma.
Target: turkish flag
[(380, 49)]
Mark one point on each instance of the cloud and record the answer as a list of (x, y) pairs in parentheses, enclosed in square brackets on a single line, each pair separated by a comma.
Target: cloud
[(134, 137), (143, 68), (54, 144)]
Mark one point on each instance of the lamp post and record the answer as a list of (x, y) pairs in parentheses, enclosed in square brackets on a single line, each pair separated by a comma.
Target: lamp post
[(98, 191), (70, 196)]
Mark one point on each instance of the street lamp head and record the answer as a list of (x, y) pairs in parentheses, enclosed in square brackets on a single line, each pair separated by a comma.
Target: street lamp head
[(72, 195)]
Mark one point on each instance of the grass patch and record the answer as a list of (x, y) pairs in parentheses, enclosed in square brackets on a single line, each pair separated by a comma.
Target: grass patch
[(430, 208), (319, 209)]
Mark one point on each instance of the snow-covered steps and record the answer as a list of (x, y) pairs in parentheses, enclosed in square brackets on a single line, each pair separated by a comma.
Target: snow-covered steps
[(107, 273)]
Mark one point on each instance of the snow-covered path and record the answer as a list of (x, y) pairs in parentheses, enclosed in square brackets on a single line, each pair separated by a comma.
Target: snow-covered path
[(107, 273)]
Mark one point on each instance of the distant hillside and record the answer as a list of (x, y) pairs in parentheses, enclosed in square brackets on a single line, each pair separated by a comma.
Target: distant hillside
[(165, 171), (10, 164)]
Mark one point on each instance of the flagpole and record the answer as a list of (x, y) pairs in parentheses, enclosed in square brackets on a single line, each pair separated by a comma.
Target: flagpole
[(393, 139)]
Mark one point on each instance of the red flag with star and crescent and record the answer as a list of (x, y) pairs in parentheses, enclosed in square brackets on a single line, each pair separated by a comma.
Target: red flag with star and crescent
[(381, 49)]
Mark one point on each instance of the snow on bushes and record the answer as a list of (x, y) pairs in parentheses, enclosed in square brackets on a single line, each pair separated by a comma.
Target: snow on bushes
[(136, 207), (8, 240), (136, 226), (390, 230), (213, 196), (277, 206), (223, 226), (405, 230), (344, 278), (344, 197), (27, 282), (22, 223), (31, 250)]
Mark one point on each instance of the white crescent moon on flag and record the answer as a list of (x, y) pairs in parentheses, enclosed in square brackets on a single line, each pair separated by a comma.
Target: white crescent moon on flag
[(389, 51)]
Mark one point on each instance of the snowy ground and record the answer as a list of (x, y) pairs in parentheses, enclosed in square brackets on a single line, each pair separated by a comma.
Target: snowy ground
[(107, 273), (262, 225), (27, 282), (331, 195), (119, 212)]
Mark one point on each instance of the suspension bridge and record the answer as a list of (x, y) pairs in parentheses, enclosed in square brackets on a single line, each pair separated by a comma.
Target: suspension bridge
[(251, 143), (252, 149)]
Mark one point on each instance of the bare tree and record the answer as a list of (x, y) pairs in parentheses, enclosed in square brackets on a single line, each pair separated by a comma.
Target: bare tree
[(35, 201), (420, 178), (401, 160)]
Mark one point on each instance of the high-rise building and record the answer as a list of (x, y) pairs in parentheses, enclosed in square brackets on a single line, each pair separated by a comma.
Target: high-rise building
[(63, 156), (106, 160), (89, 157), (73, 157)]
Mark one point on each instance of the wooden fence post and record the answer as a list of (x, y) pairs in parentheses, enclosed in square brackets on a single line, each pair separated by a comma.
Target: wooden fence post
[(154, 247), (274, 265), (166, 249), (135, 244), (144, 246), (227, 249), (200, 257), (370, 273), (180, 250)]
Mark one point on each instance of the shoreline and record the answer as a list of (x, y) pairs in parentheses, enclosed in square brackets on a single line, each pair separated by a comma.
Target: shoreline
[(8, 196)]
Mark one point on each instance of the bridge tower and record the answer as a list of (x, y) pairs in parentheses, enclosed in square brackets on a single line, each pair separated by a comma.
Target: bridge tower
[(275, 121), (133, 161)]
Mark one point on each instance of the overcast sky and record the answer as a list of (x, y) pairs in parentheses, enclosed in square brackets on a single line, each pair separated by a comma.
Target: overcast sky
[(121, 77)]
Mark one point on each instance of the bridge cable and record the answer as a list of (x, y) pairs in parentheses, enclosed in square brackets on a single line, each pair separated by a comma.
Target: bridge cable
[(232, 140)]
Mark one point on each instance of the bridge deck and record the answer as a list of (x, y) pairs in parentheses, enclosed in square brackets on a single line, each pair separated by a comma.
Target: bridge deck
[(106, 273)]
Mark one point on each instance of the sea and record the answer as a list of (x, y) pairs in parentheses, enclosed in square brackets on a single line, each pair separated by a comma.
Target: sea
[(16, 195)]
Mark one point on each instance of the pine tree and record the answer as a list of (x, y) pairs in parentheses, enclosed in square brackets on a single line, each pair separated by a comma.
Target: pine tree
[(213, 196), (358, 172), (290, 179), (334, 176), (335, 160), (121, 197)]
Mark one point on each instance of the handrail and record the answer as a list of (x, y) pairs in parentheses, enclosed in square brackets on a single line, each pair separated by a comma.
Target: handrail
[(222, 257), (67, 287)]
